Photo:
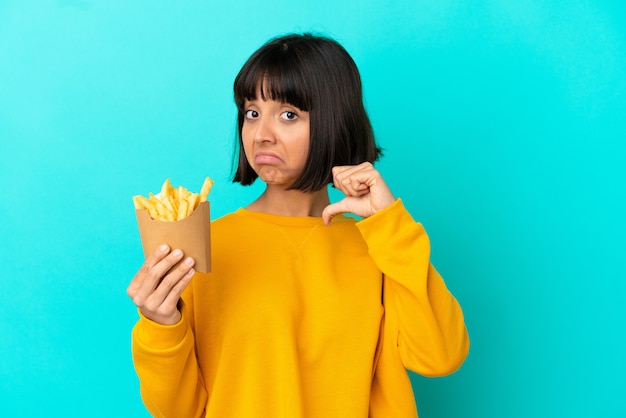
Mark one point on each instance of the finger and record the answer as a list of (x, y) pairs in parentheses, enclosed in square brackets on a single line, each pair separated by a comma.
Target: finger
[(148, 264), (352, 186), (340, 173), (170, 303), (335, 209), (162, 306), (330, 212), (346, 183), (354, 180), (338, 169), (172, 280), (153, 275)]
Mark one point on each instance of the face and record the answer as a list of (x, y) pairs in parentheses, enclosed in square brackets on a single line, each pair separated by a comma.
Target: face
[(275, 139)]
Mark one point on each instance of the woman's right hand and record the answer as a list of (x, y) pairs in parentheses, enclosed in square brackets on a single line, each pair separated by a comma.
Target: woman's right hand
[(156, 290)]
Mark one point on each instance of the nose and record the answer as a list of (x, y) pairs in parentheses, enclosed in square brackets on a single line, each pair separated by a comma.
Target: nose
[(264, 130)]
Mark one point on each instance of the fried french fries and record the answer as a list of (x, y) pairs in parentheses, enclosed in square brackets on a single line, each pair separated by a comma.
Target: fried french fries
[(206, 188), (173, 204)]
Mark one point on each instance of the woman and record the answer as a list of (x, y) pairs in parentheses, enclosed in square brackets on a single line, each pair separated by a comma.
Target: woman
[(306, 312)]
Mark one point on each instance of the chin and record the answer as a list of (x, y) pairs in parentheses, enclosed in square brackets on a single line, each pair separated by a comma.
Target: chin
[(274, 179)]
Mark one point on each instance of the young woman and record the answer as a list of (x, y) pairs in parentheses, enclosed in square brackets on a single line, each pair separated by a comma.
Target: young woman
[(306, 312)]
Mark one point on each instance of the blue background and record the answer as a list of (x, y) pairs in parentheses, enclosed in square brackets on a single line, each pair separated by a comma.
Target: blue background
[(504, 128)]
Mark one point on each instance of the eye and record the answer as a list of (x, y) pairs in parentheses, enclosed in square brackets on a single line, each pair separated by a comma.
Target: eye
[(251, 114), (289, 115)]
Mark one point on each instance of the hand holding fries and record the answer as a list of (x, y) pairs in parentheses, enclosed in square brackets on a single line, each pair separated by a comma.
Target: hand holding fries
[(159, 283), (173, 204), (174, 252)]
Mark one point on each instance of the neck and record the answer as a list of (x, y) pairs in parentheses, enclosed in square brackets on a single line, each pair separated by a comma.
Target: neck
[(275, 200)]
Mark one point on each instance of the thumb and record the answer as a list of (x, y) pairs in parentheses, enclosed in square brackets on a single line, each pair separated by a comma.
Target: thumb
[(335, 209)]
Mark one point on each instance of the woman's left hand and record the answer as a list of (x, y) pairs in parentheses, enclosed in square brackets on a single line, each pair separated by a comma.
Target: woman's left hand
[(366, 192)]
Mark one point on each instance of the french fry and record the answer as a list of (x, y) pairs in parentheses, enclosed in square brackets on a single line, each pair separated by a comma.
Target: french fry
[(193, 200), (182, 210), (148, 205), (139, 202), (173, 204), (165, 189), (206, 188), (182, 193), (167, 202), (164, 213)]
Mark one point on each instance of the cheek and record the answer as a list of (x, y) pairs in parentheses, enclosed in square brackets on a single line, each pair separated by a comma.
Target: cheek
[(245, 143), (304, 153), (305, 144)]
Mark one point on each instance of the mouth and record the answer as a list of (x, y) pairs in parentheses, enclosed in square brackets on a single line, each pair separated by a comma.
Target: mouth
[(267, 158)]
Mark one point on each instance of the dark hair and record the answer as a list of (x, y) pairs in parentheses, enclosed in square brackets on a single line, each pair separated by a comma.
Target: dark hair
[(317, 75)]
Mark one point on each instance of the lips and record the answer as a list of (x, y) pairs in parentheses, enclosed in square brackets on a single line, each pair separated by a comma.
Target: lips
[(267, 158)]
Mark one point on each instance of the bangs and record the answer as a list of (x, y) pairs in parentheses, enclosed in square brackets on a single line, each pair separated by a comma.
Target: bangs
[(276, 73)]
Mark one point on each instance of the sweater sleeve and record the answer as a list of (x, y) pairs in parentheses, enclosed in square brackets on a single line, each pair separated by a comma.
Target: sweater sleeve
[(424, 316), (165, 361)]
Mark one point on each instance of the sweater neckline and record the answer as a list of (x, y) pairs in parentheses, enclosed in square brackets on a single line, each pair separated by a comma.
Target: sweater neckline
[(286, 220)]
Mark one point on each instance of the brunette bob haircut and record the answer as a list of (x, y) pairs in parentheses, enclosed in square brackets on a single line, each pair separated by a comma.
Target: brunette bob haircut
[(315, 74)]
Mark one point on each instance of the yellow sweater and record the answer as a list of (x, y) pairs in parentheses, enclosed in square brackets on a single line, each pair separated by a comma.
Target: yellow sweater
[(298, 320)]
